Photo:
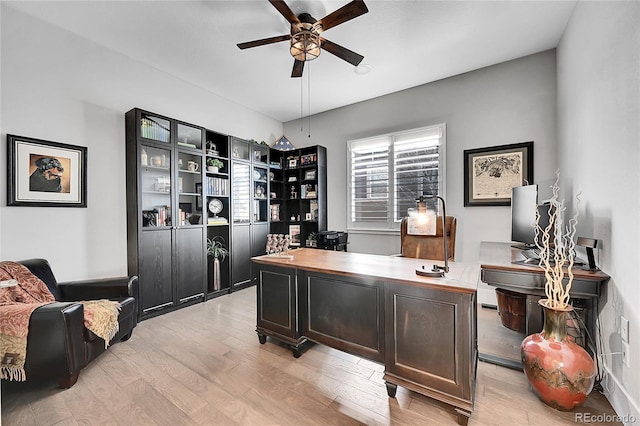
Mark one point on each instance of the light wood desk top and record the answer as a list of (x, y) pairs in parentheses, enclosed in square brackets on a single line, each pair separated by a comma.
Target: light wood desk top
[(462, 277)]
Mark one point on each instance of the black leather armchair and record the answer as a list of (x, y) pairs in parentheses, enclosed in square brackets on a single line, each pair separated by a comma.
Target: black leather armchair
[(58, 344)]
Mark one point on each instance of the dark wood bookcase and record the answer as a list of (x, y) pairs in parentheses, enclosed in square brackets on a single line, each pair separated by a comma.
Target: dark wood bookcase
[(298, 193), (250, 208), (169, 189)]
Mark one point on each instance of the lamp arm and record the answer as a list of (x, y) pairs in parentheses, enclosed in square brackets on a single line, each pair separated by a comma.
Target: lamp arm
[(437, 270), (444, 234)]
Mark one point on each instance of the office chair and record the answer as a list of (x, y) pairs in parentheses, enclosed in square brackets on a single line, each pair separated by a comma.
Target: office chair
[(429, 246)]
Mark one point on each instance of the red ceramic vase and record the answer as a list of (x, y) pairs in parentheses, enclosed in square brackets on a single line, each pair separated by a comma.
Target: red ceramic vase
[(560, 371)]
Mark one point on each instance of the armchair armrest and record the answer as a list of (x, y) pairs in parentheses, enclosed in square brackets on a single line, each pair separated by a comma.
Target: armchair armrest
[(104, 288), (56, 340)]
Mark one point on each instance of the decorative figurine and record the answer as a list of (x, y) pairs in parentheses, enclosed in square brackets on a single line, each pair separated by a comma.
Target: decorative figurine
[(278, 245), (211, 148)]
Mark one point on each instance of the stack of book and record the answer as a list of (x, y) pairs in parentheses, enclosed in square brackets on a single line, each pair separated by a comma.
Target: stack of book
[(217, 220), (187, 144)]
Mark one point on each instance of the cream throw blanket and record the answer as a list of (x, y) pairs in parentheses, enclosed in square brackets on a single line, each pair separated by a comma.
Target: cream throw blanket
[(17, 303)]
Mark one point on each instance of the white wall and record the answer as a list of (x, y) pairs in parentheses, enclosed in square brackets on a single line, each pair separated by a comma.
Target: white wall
[(59, 87), (599, 134), (503, 104)]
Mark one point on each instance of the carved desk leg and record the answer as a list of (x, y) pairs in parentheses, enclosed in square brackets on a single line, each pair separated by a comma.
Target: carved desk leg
[(391, 389), (463, 416)]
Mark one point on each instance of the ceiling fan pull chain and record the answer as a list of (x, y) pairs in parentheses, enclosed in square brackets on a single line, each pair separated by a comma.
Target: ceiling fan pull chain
[(309, 98), (301, 112)]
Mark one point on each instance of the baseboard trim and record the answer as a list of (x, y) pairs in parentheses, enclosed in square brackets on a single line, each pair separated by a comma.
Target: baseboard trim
[(625, 407)]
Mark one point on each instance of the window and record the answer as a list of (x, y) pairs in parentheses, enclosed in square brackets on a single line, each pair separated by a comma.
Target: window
[(388, 172)]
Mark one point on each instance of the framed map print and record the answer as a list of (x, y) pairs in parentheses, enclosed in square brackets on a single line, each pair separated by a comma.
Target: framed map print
[(490, 173)]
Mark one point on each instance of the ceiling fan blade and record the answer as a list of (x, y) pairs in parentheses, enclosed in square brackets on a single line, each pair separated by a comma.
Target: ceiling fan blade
[(341, 52), (298, 67), (344, 14), (285, 11), (263, 41)]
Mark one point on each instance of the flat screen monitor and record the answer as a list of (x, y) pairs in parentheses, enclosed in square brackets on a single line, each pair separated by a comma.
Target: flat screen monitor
[(524, 203)]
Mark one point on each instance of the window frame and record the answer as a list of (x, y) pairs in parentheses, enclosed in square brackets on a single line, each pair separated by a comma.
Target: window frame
[(391, 225)]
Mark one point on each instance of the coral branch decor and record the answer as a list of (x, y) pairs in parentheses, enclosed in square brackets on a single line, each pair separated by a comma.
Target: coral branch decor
[(560, 372)]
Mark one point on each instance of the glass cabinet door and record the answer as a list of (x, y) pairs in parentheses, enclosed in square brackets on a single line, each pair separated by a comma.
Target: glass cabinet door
[(260, 153), (189, 137), (239, 149), (155, 128), (155, 186), (241, 192), (189, 189), (260, 193)]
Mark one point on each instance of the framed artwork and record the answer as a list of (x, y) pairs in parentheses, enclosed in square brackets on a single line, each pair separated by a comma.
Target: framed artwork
[(490, 173), (45, 174), (310, 175), (294, 232)]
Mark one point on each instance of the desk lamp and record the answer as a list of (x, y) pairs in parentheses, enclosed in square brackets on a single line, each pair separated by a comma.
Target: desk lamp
[(421, 211)]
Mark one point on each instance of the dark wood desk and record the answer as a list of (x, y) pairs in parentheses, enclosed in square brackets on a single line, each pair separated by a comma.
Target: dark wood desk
[(422, 329), (502, 267)]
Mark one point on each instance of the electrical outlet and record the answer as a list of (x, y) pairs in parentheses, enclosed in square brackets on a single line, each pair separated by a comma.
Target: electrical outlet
[(624, 329), (626, 358)]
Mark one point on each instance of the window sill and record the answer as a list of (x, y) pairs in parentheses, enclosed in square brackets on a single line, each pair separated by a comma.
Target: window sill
[(373, 231)]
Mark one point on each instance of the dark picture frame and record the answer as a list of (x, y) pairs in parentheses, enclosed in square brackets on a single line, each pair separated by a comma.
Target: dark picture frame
[(310, 174), (43, 173), (490, 173)]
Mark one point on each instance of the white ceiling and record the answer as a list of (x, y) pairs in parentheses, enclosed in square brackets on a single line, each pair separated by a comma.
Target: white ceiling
[(406, 43)]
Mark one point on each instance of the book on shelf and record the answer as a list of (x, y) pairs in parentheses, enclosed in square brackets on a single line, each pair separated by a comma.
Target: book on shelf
[(308, 159), (216, 186), (154, 129), (159, 216)]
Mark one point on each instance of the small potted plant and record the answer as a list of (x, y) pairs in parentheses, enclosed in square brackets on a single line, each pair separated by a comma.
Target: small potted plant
[(214, 165), (217, 250)]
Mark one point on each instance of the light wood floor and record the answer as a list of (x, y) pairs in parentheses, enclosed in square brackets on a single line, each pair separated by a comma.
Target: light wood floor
[(204, 365), (496, 339)]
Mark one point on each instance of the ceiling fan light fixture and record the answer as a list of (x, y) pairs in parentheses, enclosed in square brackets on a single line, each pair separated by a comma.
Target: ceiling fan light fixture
[(305, 45)]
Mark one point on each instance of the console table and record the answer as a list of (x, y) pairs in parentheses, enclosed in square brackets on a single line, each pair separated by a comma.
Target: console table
[(502, 266), (422, 329)]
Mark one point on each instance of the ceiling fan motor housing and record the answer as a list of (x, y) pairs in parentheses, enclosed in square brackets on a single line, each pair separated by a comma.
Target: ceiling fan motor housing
[(305, 41)]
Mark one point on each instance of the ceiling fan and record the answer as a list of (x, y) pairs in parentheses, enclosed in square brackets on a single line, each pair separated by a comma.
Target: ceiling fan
[(305, 38)]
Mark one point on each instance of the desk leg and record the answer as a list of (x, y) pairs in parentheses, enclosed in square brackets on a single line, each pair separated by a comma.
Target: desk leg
[(391, 389), (463, 416)]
